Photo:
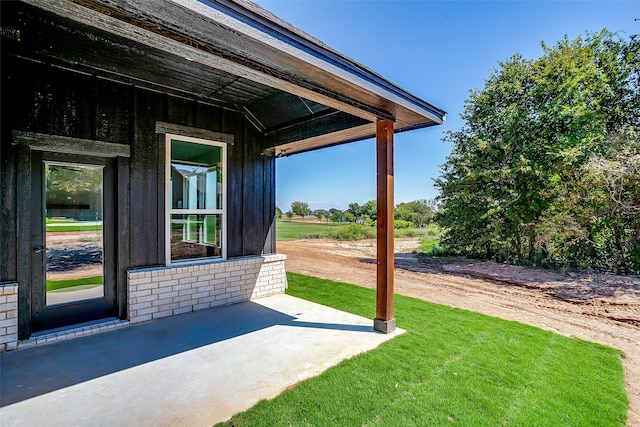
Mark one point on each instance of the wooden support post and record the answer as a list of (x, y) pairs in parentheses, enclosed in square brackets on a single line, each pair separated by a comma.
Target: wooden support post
[(384, 321)]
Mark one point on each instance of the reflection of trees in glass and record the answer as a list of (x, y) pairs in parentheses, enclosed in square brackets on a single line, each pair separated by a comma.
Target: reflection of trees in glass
[(70, 179), (74, 192)]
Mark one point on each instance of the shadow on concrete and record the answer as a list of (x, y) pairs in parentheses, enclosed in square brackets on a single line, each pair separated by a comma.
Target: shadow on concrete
[(31, 372)]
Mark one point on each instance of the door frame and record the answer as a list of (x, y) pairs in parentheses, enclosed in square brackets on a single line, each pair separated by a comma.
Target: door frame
[(43, 316), (26, 143)]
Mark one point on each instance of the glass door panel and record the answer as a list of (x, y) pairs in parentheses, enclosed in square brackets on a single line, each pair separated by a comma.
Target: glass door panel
[(73, 232)]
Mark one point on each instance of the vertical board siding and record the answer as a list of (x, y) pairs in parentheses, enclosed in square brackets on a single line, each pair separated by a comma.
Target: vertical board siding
[(123, 234), (207, 116), (113, 112), (51, 100), (71, 105), (8, 263), (26, 97), (180, 110), (9, 85), (269, 201), (235, 179), (254, 235), (148, 107)]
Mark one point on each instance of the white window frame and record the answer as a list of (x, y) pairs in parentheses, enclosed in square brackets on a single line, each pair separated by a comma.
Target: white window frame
[(167, 197)]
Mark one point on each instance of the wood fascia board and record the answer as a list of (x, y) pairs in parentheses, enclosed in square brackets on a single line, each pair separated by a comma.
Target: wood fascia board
[(357, 133), (119, 28), (282, 46), (353, 134)]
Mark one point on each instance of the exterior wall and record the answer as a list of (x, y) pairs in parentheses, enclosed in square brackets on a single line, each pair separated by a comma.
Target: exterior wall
[(53, 101), (8, 316), (47, 99), (168, 291)]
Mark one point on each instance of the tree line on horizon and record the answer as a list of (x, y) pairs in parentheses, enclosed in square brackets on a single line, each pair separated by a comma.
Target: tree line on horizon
[(546, 168), (417, 213)]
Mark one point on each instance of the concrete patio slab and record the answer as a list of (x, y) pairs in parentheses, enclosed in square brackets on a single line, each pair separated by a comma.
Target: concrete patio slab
[(190, 370)]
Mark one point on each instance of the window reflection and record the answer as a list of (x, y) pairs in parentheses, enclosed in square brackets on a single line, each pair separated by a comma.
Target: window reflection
[(195, 236), (195, 199), (73, 232)]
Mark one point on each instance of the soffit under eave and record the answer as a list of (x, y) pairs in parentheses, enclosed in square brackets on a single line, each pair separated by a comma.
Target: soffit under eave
[(318, 73), (175, 41), (76, 46), (254, 79), (276, 42)]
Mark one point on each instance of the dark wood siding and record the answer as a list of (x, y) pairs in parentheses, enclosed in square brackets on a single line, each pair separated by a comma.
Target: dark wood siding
[(38, 97), (269, 200), (235, 185), (252, 190), (114, 105), (8, 209), (145, 173)]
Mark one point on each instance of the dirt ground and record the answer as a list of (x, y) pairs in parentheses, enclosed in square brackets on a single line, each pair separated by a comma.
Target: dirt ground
[(601, 308)]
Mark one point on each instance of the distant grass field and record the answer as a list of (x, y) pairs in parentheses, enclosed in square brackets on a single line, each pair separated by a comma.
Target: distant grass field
[(310, 229), (452, 367)]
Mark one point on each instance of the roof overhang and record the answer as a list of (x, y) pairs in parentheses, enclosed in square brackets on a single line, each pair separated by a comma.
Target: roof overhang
[(298, 92)]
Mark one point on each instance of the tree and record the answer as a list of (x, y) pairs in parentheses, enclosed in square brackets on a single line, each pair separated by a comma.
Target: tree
[(289, 215), (278, 212), (522, 179), (353, 212), (364, 214), (300, 209), (418, 212), (615, 178), (319, 213), (370, 209), (336, 215), (349, 216), (488, 186)]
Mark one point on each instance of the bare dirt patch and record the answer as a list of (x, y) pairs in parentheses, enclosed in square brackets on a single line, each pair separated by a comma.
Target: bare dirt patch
[(601, 308)]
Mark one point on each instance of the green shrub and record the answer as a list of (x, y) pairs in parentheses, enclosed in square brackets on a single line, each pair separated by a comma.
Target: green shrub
[(407, 232), (354, 232), (400, 223), (430, 231), (432, 248)]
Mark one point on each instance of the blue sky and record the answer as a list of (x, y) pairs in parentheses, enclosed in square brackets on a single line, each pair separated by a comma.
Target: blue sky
[(438, 50)]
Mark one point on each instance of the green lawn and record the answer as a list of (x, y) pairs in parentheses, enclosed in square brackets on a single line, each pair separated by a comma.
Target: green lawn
[(53, 285), (294, 230), (452, 367), (60, 221), (63, 225)]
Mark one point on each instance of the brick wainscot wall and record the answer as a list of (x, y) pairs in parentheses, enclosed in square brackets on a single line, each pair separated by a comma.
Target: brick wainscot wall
[(8, 316), (168, 291)]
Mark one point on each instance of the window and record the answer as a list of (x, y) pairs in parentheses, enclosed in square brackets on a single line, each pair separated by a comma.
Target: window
[(196, 199)]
